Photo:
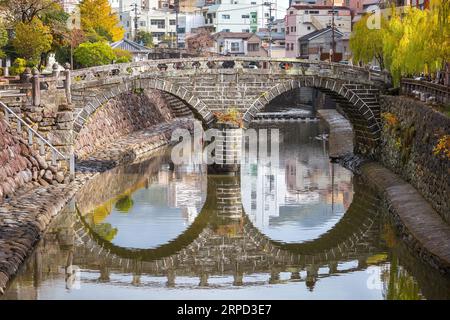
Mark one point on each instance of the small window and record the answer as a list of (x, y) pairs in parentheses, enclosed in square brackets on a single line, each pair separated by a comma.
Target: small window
[(291, 12), (172, 22), (226, 16), (245, 16), (292, 46)]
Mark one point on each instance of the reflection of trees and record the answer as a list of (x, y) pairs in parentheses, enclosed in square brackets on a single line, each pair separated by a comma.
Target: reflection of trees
[(398, 284), (105, 231), (124, 203)]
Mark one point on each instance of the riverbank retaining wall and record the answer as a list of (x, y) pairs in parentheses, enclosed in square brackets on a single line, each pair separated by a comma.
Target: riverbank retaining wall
[(127, 113), (413, 144)]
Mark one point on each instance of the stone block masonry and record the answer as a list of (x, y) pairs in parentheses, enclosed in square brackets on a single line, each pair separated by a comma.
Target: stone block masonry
[(411, 131), (120, 116), (21, 166)]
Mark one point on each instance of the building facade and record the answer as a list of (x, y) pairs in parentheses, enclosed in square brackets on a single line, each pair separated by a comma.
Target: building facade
[(304, 19)]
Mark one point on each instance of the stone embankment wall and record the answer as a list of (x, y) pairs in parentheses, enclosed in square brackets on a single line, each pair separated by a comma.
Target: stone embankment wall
[(121, 116), (20, 165), (411, 134)]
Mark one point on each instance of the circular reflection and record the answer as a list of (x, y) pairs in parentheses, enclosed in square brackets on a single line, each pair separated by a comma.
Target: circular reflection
[(302, 195), (154, 211)]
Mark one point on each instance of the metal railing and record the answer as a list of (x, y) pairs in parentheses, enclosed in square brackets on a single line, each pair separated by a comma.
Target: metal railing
[(21, 125)]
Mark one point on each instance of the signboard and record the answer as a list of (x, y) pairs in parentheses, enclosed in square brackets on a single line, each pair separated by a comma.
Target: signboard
[(253, 22)]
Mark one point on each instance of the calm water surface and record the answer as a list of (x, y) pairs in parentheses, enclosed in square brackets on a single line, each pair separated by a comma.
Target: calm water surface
[(299, 228)]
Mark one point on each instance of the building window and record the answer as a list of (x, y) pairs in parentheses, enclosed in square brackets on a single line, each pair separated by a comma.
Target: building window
[(226, 16), (142, 23), (172, 22), (291, 12), (253, 2), (234, 46), (266, 14), (347, 3), (245, 30), (292, 46), (245, 16), (128, 23), (161, 24), (287, 30), (314, 12), (225, 30), (287, 46), (253, 47)]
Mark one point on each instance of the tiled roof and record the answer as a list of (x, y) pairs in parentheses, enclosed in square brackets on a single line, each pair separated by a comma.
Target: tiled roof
[(130, 46), (319, 32)]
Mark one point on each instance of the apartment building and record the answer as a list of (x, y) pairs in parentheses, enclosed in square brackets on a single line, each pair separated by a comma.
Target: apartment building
[(303, 19)]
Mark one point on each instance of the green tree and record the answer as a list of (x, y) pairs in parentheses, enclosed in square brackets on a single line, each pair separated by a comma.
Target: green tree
[(93, 54), (3, 40), (366, 43), (145, 38), (122, 55), (99, 22), (32, 39)]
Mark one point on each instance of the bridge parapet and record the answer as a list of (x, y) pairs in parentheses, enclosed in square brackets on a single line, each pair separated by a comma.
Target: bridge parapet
[(274, 66)]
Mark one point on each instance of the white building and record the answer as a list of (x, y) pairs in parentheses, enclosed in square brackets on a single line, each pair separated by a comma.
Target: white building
[(241, 15), (69, 5)]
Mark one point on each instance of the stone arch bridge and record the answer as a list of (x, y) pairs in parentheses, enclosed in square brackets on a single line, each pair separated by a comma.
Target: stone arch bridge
[(202, 85), (209, 85)]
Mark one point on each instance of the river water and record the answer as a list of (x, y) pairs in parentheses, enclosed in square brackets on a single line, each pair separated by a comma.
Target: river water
[(296, 228)]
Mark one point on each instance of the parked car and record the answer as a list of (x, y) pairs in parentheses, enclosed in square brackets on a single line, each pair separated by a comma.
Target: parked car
[(375, 68), (228, 64)]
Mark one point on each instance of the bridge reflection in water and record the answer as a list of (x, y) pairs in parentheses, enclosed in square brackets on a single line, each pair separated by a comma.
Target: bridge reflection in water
[(215, 238)]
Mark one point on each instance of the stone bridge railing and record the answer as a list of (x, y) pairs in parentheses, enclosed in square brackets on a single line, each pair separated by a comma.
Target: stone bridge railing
[(426, 91), (275, 66)]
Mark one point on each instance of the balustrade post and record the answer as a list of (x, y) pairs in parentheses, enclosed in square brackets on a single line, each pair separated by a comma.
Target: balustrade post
[(36, 88), (55, 70), (68, 83)]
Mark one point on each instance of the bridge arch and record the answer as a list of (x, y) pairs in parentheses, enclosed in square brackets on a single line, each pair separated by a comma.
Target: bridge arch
[(359, 102), (143, 82)]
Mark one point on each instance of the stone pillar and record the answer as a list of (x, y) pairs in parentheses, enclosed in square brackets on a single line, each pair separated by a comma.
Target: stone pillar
[(61, 137), (68, 83), (170, 278), (55, 70), (6, 71), (228, 150), (238, 279), (26, 76), (203, 280), (274, 277), (36, 88)]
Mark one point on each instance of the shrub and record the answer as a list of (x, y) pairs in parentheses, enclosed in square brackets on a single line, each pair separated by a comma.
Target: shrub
[(18, 67)]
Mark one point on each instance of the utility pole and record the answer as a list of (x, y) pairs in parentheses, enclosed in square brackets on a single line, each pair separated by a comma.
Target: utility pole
[(177, 9), (136, 19), (333, 43), (269, 25)]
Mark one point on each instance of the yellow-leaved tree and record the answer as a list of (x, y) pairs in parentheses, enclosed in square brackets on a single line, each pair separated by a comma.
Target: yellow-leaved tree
[(99, 22)]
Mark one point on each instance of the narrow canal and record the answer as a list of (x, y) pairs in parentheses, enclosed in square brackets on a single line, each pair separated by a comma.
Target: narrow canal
[(302, 228)]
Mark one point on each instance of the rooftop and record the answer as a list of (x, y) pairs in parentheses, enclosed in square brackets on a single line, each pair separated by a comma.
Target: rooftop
[(130, 46), (317, 33)]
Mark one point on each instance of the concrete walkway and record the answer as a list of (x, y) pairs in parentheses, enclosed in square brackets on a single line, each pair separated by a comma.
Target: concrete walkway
[(341, 133)]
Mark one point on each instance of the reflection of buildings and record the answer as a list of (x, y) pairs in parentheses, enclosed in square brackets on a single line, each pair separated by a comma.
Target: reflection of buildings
[(186, 189), (305, 178)]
